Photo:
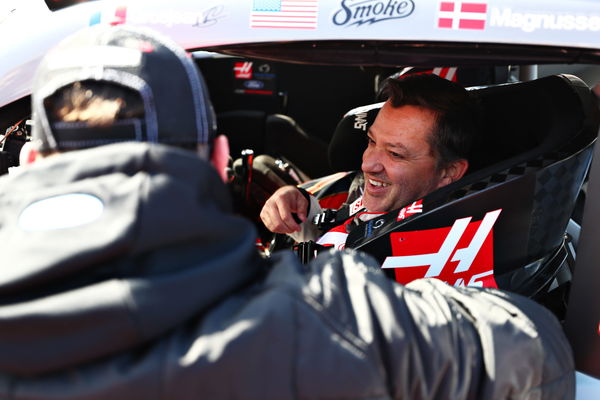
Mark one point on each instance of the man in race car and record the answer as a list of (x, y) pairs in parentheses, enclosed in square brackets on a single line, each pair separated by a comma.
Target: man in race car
[(418, 143)]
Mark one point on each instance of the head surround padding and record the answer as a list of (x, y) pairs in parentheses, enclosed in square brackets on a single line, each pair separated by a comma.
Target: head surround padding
[(350, 138)]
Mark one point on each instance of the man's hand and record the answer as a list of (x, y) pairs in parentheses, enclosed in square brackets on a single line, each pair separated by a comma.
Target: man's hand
[(277, 212)]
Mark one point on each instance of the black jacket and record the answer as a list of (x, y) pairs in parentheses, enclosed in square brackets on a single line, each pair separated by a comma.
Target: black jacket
[(145, 287)]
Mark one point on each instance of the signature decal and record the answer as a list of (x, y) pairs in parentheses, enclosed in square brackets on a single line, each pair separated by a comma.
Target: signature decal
[(209, 17), (171, 17)]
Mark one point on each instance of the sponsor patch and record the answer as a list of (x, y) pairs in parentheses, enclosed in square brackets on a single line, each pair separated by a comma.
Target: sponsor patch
[(414, 208), (356, 206), (61, 212), (243, 70), (360, 12), (531, 21), (254, 84), (461, 255), (253, 78), (360, 121)]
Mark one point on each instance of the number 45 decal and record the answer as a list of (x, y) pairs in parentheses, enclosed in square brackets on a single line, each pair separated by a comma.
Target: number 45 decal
[(458, 254)]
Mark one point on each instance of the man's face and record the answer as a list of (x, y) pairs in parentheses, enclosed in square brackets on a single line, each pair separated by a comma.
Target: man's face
[(399, 165)]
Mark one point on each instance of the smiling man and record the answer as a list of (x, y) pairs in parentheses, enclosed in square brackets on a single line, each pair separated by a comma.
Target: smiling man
[(418, 143)]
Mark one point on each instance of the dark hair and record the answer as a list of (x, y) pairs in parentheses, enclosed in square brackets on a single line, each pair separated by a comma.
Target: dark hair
[(97, 103), (457, 112)]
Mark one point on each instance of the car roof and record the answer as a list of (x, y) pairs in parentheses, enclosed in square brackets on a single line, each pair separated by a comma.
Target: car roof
[(373, 32)]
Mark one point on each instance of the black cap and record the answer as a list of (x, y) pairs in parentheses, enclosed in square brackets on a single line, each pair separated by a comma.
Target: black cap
[(177, 109)]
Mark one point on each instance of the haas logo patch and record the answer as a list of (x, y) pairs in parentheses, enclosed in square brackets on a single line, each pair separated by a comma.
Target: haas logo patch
[(462, 255)]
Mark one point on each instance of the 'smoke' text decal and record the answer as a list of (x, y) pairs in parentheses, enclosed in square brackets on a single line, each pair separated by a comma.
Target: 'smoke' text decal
[(360, 12)]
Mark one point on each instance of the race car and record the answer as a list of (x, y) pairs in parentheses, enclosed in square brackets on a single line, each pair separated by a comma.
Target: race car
[(286, 78)]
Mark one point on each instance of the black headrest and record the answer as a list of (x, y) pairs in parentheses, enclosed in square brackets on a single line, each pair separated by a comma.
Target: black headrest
[(350, 138)]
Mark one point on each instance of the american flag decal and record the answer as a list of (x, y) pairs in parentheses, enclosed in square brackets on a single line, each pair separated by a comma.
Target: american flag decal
[(462, 15), (287, 14)]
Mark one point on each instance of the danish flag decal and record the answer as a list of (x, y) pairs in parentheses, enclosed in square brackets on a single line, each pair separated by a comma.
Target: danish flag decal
[(462, 14), (462, 255)]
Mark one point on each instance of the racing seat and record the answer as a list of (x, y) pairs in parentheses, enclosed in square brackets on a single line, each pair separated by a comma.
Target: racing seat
[(503, 224)]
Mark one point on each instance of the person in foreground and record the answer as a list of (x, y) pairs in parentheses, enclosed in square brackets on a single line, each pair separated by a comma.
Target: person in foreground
[(126, 276), (418, 143)]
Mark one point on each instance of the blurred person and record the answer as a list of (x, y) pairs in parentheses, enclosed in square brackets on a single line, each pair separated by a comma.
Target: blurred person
[(126, 276)]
